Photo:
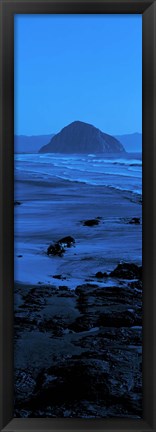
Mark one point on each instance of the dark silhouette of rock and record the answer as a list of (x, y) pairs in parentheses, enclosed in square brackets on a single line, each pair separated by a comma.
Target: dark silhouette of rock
[(67, 241), (123, 271), (80, 137), (59, 277), (135, 220), (101, 275), (91, 222), (56, 249), (136, 284), (122, 319), (127, 271)]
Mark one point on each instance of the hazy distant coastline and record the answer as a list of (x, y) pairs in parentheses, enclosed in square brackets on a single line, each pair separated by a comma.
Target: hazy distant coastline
[(32, 144), (131, 142)]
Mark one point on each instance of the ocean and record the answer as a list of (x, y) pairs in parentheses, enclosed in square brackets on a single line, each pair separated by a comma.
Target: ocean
[(123, 172)]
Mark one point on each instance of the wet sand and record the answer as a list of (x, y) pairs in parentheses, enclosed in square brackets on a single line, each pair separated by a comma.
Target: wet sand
[(50, 212), (74, 330)]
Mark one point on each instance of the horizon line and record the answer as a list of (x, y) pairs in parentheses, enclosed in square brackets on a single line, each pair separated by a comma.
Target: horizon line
[(55, 133)]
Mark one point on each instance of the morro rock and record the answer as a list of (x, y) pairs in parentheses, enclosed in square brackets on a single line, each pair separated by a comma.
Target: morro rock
[(80, 137)]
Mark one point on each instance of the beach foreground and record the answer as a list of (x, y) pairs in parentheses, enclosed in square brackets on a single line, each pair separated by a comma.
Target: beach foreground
[(89, 341), (78, 324)]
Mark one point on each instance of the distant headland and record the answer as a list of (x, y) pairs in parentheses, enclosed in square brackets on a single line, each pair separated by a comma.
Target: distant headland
[(80, 137)]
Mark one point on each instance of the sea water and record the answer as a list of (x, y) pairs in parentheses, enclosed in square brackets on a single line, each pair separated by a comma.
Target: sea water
[(120, 172)]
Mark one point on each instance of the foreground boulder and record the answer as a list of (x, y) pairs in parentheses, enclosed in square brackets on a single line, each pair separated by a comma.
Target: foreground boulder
[(87, 388), (94, 341)]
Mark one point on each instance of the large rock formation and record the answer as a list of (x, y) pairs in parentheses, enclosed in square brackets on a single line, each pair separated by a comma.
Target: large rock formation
[(80, 137)]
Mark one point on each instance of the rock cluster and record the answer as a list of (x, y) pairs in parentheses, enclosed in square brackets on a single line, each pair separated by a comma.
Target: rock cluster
[(98, 370)]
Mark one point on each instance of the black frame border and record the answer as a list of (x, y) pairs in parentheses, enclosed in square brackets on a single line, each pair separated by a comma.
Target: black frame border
[(7, 10)]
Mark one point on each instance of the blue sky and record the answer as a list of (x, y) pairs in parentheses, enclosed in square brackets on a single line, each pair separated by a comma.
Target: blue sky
[(78, 67)]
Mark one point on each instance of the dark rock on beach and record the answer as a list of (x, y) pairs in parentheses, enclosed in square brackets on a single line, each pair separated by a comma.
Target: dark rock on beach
[(135, 221), (17, 203), (101, 275), (67, 241), (123, 271), (132, 221), (126, 318), (91, 222), (127, 271), (59, 277), (58, 248)]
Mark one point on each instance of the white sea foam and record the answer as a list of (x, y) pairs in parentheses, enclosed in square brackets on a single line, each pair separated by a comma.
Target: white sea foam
[(119, 173)]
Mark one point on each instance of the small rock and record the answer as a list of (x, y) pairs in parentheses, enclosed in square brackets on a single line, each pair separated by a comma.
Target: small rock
[(17, 203), (127, 271), (58, 277), (56, 249), (100, 275), (67, 241), (91, 222), (135, 221)]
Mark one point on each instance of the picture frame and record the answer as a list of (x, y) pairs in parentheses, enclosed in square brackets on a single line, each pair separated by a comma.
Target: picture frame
[(7, 10)]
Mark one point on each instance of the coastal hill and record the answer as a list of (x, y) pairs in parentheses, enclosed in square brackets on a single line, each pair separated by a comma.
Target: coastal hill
[(80, 137), (131, 142), (30, 144)]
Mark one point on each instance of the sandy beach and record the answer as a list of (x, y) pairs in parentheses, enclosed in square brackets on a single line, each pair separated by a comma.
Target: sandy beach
[(50, 212), (77, 324)]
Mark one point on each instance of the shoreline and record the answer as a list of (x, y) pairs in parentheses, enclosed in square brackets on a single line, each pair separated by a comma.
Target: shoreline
[(49, 214), (78, 316)]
